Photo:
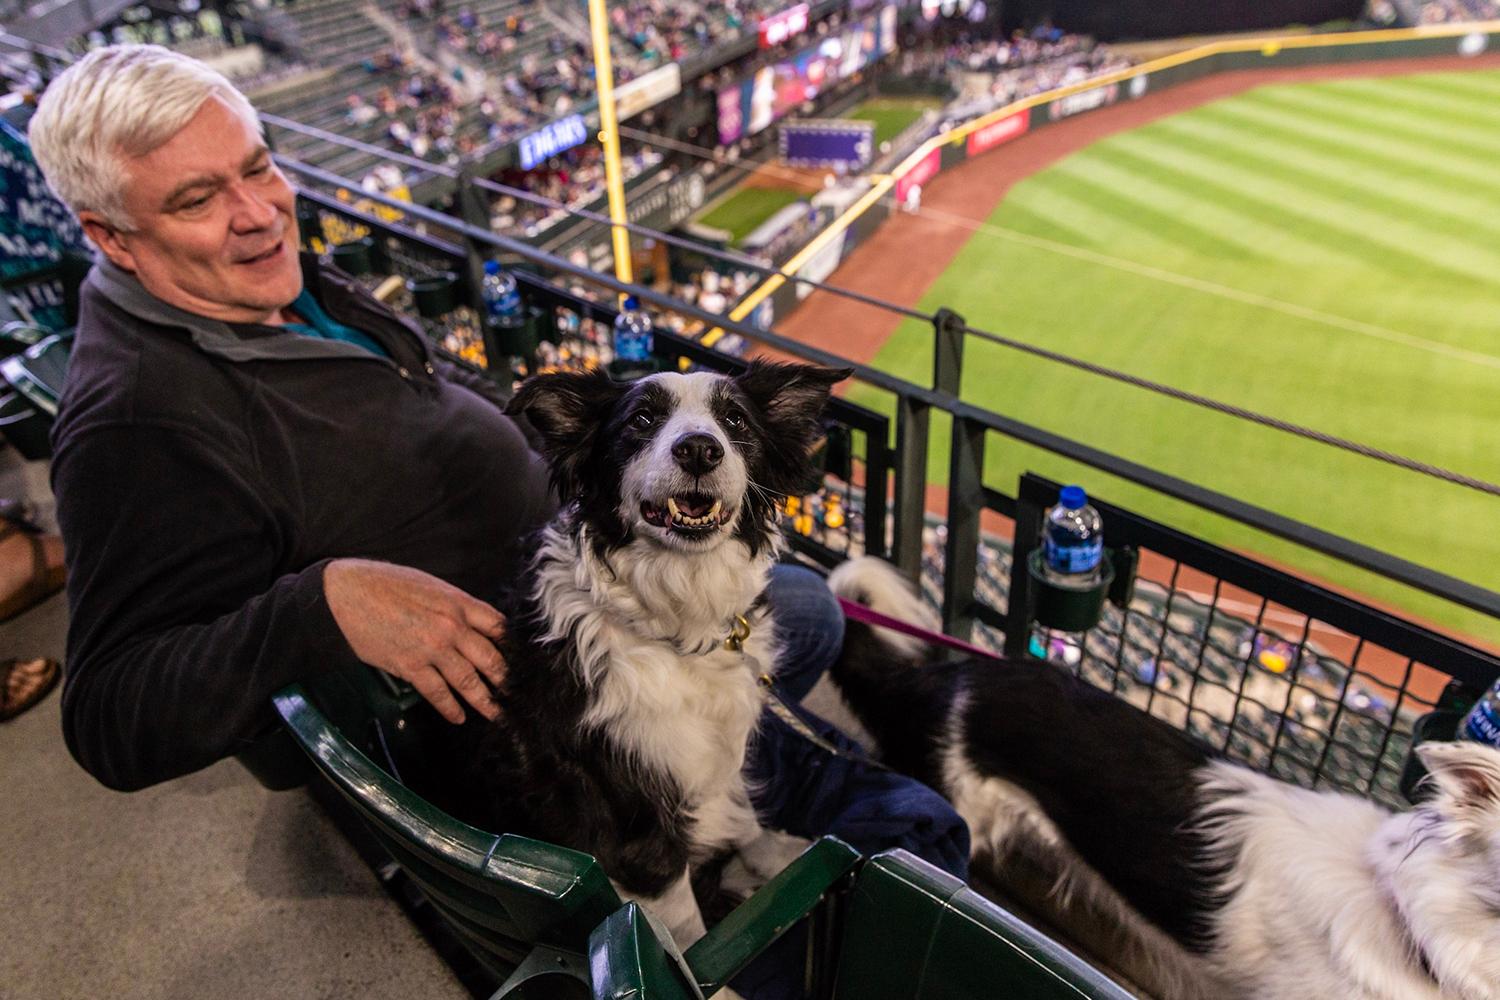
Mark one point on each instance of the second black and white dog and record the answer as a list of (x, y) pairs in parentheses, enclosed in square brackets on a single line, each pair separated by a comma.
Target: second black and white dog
[(634, 648), (1212, 880)]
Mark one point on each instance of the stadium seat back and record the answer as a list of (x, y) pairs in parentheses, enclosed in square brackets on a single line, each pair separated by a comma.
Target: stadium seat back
[(914, 932), (516, 903)]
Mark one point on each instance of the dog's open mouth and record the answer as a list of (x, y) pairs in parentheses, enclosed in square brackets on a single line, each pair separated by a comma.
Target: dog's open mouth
[(686, 514)]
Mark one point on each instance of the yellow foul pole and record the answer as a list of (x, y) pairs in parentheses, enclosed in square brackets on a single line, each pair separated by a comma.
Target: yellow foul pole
[(609, 138)]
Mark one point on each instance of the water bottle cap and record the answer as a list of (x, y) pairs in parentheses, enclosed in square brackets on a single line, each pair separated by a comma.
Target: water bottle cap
[(1072, 497), (492, 267)]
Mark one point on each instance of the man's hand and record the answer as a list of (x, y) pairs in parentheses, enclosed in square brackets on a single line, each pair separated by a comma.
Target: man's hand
[(420, 629)]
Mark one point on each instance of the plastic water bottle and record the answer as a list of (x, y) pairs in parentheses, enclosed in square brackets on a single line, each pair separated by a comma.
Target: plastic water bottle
[(1072, 541), (502, 301), (632, 338), (1483, 721)]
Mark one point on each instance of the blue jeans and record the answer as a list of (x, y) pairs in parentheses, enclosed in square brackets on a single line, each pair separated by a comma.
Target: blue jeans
[(804, 789), (799, 787), (810, 625)]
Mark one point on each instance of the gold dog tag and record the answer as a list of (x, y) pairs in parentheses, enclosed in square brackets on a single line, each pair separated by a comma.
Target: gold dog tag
[(738, 633)]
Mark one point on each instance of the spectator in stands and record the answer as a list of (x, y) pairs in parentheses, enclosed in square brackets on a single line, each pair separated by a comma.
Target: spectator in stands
[(264, 475), (238, 510)]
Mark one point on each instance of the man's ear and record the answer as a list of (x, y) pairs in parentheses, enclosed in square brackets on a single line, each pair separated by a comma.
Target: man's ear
[(110, 241), (569, 410)]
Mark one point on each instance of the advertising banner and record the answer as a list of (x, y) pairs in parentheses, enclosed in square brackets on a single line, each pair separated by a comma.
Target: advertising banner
[(780, 27), (1000, 132), (1085, 100), (774, 91), (925, 170), (551, 139), (828, 143), (648, 91)]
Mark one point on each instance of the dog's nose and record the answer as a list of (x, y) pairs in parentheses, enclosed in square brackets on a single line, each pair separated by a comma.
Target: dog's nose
[(697, 453)]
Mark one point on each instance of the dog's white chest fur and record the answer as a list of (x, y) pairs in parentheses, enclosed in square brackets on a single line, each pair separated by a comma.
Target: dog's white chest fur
[(649, 635)]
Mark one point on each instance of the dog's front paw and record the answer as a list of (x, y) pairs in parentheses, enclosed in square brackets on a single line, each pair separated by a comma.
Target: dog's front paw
[(759, 861)]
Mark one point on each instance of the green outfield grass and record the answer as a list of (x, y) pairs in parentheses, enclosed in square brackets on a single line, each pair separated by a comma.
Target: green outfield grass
[(1326, 253), (891, 115), (747, 208)]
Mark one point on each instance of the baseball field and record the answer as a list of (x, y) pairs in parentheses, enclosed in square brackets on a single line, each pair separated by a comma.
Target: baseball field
[(1324, 252)]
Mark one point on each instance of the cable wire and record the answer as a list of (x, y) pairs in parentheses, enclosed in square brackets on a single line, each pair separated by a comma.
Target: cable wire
[(1401, 461)]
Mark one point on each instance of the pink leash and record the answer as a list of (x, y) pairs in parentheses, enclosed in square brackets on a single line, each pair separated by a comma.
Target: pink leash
[(860, 613)]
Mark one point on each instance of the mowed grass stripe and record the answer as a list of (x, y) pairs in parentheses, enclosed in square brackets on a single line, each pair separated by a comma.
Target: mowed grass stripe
[(1336, 179), (1353, 157), (1455, 109), (1459, 172), (1247, 234), (1257, 197), (1232, 199), (1149, 221), (1386, 114), (1054, 198), (1432, 142), (1021, 218), (1484, 85), (1344, 323), (1373, 232)]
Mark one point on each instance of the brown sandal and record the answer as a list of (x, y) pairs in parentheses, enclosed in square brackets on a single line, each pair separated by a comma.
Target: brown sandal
[(10, 709), (44, 582)]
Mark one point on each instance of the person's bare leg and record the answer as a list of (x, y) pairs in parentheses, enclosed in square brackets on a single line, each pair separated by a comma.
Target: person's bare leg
[(16, 566)]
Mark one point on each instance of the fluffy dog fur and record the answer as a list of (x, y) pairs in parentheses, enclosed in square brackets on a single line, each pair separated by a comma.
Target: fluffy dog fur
[(625, 719), (1217, 881)]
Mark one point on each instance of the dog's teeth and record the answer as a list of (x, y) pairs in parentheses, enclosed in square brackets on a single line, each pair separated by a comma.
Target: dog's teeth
[(714, 511), (672, 509)]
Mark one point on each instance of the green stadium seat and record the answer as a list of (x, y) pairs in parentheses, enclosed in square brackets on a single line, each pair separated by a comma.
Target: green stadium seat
[(522, 908), (913, 932), (909, 932)]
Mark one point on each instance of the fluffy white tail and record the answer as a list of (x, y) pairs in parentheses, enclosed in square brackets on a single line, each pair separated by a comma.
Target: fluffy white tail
[(876, 584)]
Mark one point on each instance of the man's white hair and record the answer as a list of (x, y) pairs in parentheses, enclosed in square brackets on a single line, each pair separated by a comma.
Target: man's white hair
[(119, 102)]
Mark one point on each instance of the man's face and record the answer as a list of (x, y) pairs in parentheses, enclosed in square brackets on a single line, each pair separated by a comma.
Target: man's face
[(215, 225)]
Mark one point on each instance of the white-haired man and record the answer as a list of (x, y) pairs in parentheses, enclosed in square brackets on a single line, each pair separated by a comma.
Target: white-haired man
[(261, 472)]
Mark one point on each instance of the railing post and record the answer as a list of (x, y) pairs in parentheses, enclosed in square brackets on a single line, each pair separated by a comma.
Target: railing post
[(1028, 529), (948, 352), (472, 209), (965, 503), (911, 485)]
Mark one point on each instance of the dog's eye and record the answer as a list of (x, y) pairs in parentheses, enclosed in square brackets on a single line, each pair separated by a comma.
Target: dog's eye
[(642, 420), (734, 421)]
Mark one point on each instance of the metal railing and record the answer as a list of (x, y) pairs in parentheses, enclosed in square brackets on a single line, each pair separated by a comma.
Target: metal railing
[(1292, 677)]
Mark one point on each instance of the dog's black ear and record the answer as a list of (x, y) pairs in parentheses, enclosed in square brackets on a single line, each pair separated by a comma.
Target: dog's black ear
[(568, 409), (791, 396)]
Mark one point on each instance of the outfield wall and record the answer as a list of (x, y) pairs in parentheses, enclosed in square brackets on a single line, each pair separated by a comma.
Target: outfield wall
[(779, 294)]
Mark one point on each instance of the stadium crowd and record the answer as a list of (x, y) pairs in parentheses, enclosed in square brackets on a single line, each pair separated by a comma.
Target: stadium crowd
[(997, 71), (1445, 11)]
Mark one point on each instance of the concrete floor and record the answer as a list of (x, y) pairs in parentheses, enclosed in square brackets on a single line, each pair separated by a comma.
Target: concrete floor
[(207, 886)]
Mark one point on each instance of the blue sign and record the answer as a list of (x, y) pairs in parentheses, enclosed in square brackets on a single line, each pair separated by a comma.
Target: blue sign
[(828, 143), (549, 140)]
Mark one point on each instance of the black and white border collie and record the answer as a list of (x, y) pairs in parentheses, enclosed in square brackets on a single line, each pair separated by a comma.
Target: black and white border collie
[(1194, 877), (634, 650)]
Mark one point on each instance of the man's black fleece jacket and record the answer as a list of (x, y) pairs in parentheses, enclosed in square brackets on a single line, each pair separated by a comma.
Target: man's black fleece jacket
[(205, 474)]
